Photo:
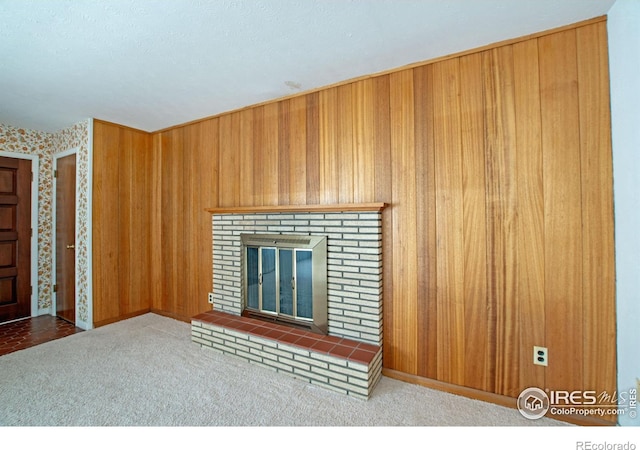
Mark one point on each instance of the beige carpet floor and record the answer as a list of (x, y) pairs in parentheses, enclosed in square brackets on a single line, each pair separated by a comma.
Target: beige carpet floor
[(145, 371)]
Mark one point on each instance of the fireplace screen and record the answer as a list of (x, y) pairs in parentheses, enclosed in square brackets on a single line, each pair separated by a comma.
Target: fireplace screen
[(285, 278)]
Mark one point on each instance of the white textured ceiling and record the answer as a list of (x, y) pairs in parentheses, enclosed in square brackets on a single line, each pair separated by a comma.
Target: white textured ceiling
[(152, 64)]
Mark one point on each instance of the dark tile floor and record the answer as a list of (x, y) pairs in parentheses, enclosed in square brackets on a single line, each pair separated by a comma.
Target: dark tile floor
[(32, 331)]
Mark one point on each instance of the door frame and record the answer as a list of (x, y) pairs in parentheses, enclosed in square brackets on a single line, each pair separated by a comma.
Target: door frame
[(54, 300), (35, 183)]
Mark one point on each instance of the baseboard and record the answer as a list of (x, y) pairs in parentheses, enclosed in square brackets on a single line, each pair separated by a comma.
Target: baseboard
[(488, 397), (102, 323), (179, 317)]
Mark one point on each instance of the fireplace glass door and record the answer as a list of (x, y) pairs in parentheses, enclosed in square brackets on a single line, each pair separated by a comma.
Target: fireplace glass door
[(280, 281)]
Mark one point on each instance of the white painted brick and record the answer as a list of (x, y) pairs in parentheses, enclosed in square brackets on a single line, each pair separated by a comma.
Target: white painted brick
[(311, 361), (248, 356), (224, 348), (330, 374), (345, 243), (370, 216), (360, 263), (364, 290), (293, 350), (359, 382), (350, 388), (277, 352), (332, 360), (341, 269), (263, 354), (352, 372), (374, 244), (292, 363), (308, 375), (262, 341), (282, 228), (308, 229), (295, 222), (280, 216), (201, 341), (280, 367), (357, 236)]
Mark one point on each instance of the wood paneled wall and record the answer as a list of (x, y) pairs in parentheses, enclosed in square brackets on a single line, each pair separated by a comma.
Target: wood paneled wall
[(121, 222), (499, 235)]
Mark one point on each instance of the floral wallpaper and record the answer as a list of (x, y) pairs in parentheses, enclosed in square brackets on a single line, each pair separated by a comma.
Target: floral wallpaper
[(46, 145), (77, 136)]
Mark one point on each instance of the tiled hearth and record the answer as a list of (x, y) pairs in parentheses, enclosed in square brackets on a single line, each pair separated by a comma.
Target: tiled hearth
[(349, 358), (343, 365)]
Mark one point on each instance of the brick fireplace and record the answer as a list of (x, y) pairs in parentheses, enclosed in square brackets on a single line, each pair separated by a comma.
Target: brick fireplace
[(348, 358)]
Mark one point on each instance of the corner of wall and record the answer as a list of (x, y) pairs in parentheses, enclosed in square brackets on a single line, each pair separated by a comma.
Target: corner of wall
[(624, 41)]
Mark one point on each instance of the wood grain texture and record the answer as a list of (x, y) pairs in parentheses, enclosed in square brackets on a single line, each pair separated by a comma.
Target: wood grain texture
[(449, 222), (122, 215), (329, 170), (106, 284), (427, 307), (562, 208), (479, 326), (403, 210), (496, 166), (501, 185), (530, 223), (597, 209)]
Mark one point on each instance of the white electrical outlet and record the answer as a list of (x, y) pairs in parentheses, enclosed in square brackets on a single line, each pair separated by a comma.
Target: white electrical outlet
[(540, 356), (210, 298)]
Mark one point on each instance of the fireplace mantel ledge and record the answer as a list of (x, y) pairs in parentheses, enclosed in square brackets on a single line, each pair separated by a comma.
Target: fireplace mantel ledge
[(345, 207)]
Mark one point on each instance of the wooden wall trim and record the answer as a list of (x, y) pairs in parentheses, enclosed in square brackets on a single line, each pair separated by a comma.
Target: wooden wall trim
[(396, 69), (347, 207)]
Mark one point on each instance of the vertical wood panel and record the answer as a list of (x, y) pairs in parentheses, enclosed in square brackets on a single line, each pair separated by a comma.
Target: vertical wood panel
[(229, 172), (313, 148), (297, 154), (139, 240), (382, 176), (562, 206), (363, 147), (157, 293), (449, 222), (267, 145), (597, 210), (345, 143), (403, 170), (124, 194), (426, 224), (284, 147), (329, 173), (190, 200), (479, 326), (106, 284), (208, 190), (530, 226), (172, 188), (245, 181), (501, 179)]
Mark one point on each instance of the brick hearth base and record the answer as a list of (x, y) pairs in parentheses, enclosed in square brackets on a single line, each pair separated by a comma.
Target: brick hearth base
[(339, 364)]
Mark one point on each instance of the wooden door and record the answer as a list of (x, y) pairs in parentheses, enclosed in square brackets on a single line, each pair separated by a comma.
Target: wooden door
[(15, 238), (65, 238)]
